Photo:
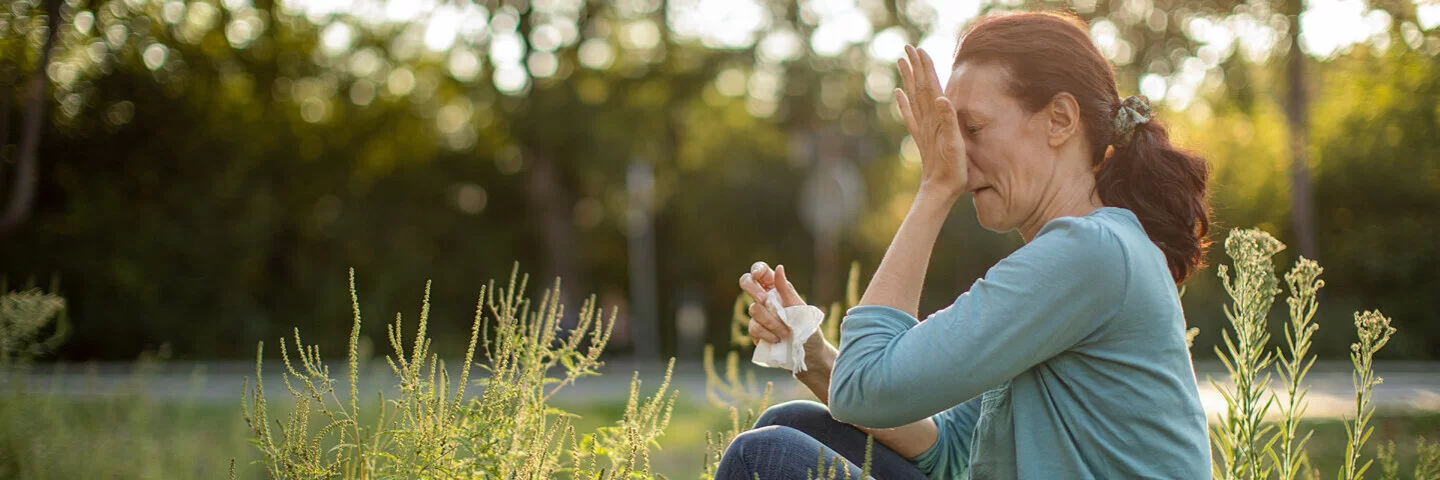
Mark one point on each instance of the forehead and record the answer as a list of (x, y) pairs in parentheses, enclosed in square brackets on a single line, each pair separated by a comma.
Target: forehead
[(979, 87)]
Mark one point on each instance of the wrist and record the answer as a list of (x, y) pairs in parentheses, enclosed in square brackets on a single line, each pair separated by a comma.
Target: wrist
[(937, 193), (819, 362)]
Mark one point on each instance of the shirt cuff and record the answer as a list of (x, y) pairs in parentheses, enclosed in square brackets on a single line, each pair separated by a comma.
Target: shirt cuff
[(879, 315)]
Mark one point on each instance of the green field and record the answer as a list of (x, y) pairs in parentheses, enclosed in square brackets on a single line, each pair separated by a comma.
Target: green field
[(43, 437)]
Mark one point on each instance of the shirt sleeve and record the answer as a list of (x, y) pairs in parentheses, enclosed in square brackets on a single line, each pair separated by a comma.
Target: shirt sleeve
[(1047, 297), (950, 456)]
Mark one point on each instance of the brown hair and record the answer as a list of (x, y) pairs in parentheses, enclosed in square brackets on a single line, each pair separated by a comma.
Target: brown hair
[(1049, 53)]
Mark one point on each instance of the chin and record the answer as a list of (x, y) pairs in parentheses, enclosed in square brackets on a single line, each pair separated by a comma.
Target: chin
[(991, 220)]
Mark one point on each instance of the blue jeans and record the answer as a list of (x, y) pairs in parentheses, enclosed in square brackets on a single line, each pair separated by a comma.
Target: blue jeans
[(790, 438)]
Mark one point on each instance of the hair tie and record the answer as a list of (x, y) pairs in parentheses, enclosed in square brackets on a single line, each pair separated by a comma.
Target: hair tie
[(1133, 111)]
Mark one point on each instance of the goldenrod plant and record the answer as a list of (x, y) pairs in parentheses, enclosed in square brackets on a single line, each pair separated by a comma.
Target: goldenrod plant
[(431, 430)]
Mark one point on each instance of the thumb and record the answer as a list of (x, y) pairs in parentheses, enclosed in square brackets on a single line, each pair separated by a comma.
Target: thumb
[(788, 296)]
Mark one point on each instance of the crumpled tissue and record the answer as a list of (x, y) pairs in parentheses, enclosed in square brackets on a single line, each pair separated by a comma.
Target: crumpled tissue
[(789, 354)]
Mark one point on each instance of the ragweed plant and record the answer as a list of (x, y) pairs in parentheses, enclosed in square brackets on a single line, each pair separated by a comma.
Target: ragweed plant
[(1427, 455), (1295, 361), (1239, 434), (431, 430), (731, 394), (1374, 330)]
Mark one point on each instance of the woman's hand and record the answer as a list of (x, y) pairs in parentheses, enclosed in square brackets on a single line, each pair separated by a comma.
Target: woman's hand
[(933, 124), (766, 325)]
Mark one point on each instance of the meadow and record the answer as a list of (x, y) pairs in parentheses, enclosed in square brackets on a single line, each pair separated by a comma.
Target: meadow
[(500, 411)]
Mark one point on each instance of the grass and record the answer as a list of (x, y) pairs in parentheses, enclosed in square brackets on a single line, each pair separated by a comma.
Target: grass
[(139, 439)]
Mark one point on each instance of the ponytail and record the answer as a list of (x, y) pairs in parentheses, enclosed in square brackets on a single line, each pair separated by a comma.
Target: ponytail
[(1165, 188)]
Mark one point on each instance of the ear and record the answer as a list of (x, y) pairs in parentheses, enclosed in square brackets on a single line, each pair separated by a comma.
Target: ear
[(1063, 114)]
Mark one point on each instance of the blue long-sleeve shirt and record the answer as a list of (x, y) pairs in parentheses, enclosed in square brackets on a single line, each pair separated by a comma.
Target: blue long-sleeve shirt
[(1067, 360)]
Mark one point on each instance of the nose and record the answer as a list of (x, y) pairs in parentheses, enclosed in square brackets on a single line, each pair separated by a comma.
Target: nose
[(972, 174)]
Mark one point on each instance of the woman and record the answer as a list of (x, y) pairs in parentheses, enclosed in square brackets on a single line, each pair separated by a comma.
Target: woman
[(1068, 359)]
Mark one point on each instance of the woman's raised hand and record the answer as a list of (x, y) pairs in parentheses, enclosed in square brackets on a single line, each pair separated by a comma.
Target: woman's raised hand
[(764, 324), (933, 124)]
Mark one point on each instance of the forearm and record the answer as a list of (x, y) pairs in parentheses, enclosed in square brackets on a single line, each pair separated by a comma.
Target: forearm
[(901, 274), (909, 440)]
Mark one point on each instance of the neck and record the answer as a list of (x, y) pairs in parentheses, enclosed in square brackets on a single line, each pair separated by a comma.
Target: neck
[(1070, 199)]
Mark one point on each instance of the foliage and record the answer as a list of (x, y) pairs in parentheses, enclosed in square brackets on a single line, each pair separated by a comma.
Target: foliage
[(317, 158), (1375, 331), (24, 318), (1304, 284), (509, 431), (1238, 435)]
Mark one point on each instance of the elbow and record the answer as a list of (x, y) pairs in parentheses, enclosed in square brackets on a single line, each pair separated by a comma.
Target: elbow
[(849, 406)]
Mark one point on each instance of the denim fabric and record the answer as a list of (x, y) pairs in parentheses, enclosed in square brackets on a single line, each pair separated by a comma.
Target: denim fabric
[(789, 440)]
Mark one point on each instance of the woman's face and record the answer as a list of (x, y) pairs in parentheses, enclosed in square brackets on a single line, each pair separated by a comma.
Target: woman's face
[(1010, 160)]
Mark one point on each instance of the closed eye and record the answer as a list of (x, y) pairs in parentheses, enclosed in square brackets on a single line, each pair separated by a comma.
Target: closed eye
[(973, 129)]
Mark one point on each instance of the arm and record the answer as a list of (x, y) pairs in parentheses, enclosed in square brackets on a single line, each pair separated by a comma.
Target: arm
[(909, 440), (1044, 299), (932, 122), (901, 275)]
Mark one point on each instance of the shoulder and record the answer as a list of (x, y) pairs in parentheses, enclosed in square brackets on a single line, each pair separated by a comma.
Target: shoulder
[(1092, 243)]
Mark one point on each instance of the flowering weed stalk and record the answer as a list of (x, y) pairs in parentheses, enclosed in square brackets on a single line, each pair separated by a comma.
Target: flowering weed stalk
[(1238, 436), (1295, 361), (432, 430), (1374, 331)]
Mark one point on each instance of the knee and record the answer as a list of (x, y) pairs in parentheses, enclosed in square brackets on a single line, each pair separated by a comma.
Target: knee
[(772, 437), (798, 414), (753, 452)]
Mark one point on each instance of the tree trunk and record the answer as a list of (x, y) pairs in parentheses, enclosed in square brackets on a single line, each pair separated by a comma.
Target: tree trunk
[(552, 209), (1297, 115), (22, 191)]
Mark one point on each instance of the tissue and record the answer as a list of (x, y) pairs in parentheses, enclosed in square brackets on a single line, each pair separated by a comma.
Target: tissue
[(789, 354)]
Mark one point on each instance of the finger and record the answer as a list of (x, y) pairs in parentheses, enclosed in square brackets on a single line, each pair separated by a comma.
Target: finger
[(903, 101), (771, 322), (949, 122), (907, 79), (753, 288), (907, 74), (947, 118), (927, 67), (948, 133), (931, 76), (762, 274), (758, 332), (788, 295), (917, 83), (772, 329)]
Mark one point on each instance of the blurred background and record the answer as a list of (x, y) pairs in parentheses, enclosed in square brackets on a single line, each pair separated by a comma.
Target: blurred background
[(196, 176), (200, 174)]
